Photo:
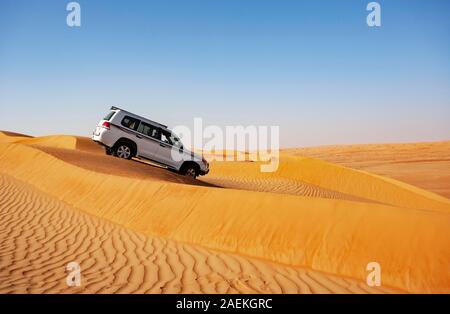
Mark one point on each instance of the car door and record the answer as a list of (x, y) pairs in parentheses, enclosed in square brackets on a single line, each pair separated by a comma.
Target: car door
[(148, 140), (170, 150)]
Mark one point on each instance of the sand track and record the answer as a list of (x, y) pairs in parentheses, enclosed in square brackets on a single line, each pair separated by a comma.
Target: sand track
[(40, 235), (100, 162)]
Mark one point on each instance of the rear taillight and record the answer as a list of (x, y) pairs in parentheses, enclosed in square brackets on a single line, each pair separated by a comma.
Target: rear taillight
[(106, 125)]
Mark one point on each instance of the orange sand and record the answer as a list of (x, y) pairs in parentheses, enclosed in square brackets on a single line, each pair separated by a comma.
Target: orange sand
[(331, 223), (426, 165)]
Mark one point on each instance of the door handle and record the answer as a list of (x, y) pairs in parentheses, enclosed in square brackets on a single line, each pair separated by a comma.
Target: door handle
[(138, 136)]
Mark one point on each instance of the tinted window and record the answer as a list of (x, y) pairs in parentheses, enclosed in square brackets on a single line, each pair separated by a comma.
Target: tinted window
[(166, 137), (149, 130), (171, 139), (109, 115), (130, 122)]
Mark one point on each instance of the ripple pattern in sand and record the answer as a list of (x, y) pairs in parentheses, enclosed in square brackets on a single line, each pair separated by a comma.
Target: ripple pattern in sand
[(40, 235)]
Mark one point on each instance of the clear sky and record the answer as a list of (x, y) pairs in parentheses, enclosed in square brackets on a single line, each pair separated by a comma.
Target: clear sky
[(312, 67)]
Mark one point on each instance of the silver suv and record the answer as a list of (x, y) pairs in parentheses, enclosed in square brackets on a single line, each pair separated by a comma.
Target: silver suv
[(127, 135)]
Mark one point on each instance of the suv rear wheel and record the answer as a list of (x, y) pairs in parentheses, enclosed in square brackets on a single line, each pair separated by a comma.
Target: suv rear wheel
[(123, 150)]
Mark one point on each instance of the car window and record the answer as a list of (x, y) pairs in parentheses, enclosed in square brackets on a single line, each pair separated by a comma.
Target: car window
[(165, 137), (130, 122), (109, 115), (149, 130), (171, 139)]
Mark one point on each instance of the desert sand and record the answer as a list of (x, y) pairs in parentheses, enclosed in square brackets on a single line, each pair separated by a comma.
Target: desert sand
[(426, 165), (310, 227)]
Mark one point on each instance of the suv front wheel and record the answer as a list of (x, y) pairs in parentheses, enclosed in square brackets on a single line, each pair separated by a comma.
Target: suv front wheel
[(190, 170)]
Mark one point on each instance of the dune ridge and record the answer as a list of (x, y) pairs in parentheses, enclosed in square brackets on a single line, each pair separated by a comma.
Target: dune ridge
[(56, 141), (425, 165), (333, 177), (332, 236)]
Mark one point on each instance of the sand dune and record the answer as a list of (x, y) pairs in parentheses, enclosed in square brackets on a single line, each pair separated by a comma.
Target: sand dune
[(99, 162), (324, 176), (278, 185), (425, 165), (84, 153), (11, 137), (12, 134), (40, 235), (57, 141), (333, 236)]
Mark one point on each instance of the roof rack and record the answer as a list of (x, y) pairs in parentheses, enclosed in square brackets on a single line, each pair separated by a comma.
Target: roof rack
[(154, 122)]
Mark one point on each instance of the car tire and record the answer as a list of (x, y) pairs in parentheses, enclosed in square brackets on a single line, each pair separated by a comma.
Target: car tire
[(190, 170), (123, 150), (108, 151)]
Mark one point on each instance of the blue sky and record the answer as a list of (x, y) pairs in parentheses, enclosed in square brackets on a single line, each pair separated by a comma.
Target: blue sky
[(312, 67)]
